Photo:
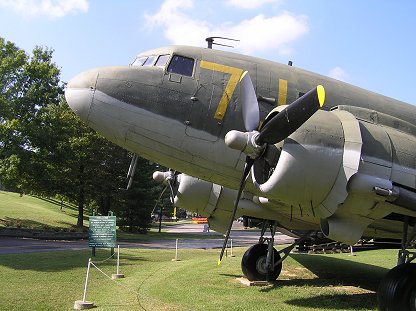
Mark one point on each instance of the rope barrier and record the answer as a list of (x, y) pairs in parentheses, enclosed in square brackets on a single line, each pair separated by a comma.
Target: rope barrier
[(129, 289), (102, 261), (125, 287)]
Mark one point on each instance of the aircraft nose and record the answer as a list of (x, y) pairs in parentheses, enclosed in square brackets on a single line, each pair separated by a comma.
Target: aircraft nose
[(80, 91)]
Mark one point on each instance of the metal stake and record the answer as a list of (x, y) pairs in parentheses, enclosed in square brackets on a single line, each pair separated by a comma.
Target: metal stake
[(86, 280), (118, 257), (176, 252)]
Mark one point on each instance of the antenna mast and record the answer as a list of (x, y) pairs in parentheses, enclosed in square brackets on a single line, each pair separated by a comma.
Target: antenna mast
[(210, 41)]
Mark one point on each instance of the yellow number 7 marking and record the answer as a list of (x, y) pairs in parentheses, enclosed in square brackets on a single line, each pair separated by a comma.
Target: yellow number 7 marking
[(229, 89)]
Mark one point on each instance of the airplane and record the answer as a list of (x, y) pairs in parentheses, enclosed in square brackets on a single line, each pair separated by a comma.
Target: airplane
[(255, 138)]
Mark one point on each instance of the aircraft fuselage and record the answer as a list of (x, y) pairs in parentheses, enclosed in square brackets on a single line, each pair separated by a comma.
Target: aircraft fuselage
[(174, 106)]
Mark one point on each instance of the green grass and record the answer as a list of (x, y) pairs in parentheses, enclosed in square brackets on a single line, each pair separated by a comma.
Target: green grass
[(53, 281), (35, 213), (42, 213)]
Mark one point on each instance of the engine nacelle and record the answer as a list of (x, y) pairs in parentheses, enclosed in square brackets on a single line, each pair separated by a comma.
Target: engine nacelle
[(214, 202), (347, 171), (308, 165)]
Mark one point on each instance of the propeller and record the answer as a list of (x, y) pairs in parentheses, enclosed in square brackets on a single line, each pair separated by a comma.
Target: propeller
[(169, 178), (274, 130)]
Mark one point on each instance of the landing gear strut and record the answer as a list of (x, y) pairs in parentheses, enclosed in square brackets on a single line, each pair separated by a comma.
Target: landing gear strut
[(397, 291), (262, 262)]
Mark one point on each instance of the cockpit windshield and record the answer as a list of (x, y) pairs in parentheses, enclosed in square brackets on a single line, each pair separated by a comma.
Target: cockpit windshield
[(178, 64), (162, 60), (152, 60), (149, 61), (139, 61)]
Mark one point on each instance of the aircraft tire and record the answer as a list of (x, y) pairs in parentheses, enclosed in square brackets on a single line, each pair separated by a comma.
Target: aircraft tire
[(397, 291), (253, 263)]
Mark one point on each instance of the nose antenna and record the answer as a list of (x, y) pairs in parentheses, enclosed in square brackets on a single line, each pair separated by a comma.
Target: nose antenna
[(210, 41)]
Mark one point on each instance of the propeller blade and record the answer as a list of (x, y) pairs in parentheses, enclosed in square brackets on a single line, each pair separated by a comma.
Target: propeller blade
[(172, 192), (132, 170), (247, 168), (283, 124), (158, 199), (250, 106)]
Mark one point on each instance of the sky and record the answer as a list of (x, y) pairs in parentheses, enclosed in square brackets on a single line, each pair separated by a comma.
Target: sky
[(369, 43)]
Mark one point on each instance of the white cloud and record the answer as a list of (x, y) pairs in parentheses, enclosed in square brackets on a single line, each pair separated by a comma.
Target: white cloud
[(178, 27), (259, 33), (250, 4), (51, 8), (274, 33), (338, 73)]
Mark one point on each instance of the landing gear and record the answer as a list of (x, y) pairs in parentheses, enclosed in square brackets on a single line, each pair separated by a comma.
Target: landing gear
[(262, 262), (397, 291), (254, 264)]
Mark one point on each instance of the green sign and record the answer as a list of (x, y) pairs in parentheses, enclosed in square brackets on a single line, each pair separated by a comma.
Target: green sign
[(102, 232)]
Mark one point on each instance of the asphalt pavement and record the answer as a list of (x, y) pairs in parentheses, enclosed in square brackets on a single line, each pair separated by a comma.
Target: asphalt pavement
[(239, 237)]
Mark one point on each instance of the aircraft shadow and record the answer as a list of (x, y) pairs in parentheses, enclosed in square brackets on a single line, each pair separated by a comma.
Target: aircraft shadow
[(348, 283), (339, 301), (337, 270)]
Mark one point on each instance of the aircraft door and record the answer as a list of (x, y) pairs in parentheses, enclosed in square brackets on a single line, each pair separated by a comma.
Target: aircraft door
[(179, 86)]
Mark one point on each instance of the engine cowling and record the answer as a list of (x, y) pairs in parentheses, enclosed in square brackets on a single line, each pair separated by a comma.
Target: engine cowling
[(313, 166), (348, 171), (307, 164), (214, 202)]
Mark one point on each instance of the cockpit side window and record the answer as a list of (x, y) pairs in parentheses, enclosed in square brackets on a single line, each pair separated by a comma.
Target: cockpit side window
[(149, 61), (162, 60), (181, 65)]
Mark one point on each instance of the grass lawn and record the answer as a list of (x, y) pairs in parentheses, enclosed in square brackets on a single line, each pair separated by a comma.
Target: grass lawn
[(53, 281), (41, 213), (35, 213)]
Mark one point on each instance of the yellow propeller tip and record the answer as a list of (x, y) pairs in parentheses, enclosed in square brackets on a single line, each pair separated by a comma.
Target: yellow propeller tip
[(321, 95), (219, 261)]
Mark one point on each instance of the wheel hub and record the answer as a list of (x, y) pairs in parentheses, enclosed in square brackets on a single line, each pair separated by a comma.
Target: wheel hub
[(261, 266)]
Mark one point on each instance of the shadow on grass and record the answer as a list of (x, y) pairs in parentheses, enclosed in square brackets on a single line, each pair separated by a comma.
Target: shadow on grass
[(338, 301), (56, 202), (23, 223), (63, 261), (19, 223), (345, 272), (339, 276)]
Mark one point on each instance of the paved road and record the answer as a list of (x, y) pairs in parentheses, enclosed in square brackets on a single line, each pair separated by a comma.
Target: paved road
[(239, 236)]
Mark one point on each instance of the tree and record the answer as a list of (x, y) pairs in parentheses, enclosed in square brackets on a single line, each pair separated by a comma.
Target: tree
[(46, 150), (135, 205), (28, 84)]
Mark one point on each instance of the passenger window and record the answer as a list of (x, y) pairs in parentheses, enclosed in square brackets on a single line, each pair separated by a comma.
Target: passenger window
[(162, 60), (139, 61), (181, 65), (149, 61)]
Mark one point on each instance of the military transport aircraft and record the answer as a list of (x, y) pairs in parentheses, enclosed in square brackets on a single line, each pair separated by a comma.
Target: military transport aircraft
[(321, 154)]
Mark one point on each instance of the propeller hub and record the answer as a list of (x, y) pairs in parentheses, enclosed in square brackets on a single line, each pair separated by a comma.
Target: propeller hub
[(245, 142), (163, 177)]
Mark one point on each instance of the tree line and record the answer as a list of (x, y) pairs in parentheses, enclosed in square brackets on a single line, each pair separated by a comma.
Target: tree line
[(46, 150)]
